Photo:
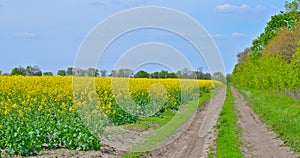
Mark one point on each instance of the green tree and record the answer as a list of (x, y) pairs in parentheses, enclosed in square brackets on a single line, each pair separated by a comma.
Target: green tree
[(92, 72), (125, 72), (163, 74), (103, 73), (28, 71), (293, 6), (244, 55), (142, 74), (284, 43), (36, 71), (219, 76), (206, 76), (47, 74), (228, 78), (70, 71), (187, 73), (277, 22), (79, 72), (114, 73), (61, 72), (154, 75), (18, 71), (172, 75)]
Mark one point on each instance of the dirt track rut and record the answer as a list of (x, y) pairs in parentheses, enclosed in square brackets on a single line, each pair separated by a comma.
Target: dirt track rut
[(192, 143), (257, 140)]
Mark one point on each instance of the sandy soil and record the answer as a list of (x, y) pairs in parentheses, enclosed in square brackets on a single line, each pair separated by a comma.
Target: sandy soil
[(257, 139), (199, 135)]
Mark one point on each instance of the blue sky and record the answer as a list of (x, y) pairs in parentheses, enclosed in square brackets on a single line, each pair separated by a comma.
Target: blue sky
[(49, 34)]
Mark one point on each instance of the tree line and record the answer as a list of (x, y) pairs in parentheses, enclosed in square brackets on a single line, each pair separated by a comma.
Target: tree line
[(125, 72), (273, 60)]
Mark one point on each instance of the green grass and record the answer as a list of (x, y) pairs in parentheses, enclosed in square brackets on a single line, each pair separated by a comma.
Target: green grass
[(280, 112), (228, 143), (211, 153), (132, 155), (152, 122), (169, 123)]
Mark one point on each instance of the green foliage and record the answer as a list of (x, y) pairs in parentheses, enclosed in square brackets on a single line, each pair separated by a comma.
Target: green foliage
[(244, 55), (277, 22), (279, 111), (61, 73), (296, 61), (142, 74), (47, 74), (266, 73), (18, 71), (219, 76), (273, 62), (29, 134), (70, 71), (228, 143), (228, 78), (103, 73), (293, 6)]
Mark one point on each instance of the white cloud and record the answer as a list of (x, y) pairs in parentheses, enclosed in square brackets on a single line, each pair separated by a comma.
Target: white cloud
[(238, 34), (229, 7), (26, 34), (218, 36)]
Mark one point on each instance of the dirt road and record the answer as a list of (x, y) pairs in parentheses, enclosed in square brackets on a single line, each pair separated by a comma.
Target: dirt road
[(196, 139), (257, 139)]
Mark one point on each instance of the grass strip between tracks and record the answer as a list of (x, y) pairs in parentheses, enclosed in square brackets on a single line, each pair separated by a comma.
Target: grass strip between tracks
[(228, 143)]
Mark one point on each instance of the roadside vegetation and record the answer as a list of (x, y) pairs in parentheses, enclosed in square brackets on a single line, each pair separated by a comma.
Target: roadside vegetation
[(268, 74), (280, 112)]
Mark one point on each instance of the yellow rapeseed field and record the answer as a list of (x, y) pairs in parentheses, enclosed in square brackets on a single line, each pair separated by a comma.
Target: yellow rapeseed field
[(46, 110)]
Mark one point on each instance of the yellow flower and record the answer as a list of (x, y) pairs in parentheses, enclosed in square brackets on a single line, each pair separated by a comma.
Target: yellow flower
[(15, 106), (40, 107), (20, 113), (71, 108), (6, 112)]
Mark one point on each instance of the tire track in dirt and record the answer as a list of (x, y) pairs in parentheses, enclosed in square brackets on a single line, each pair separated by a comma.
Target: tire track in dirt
[(190, 144), (257, 139)]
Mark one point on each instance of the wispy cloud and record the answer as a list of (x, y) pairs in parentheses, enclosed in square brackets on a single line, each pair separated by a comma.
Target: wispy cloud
[(238, 34), (218, 36), (232, 35), (26, 35), (233, 8), (229, 7)]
